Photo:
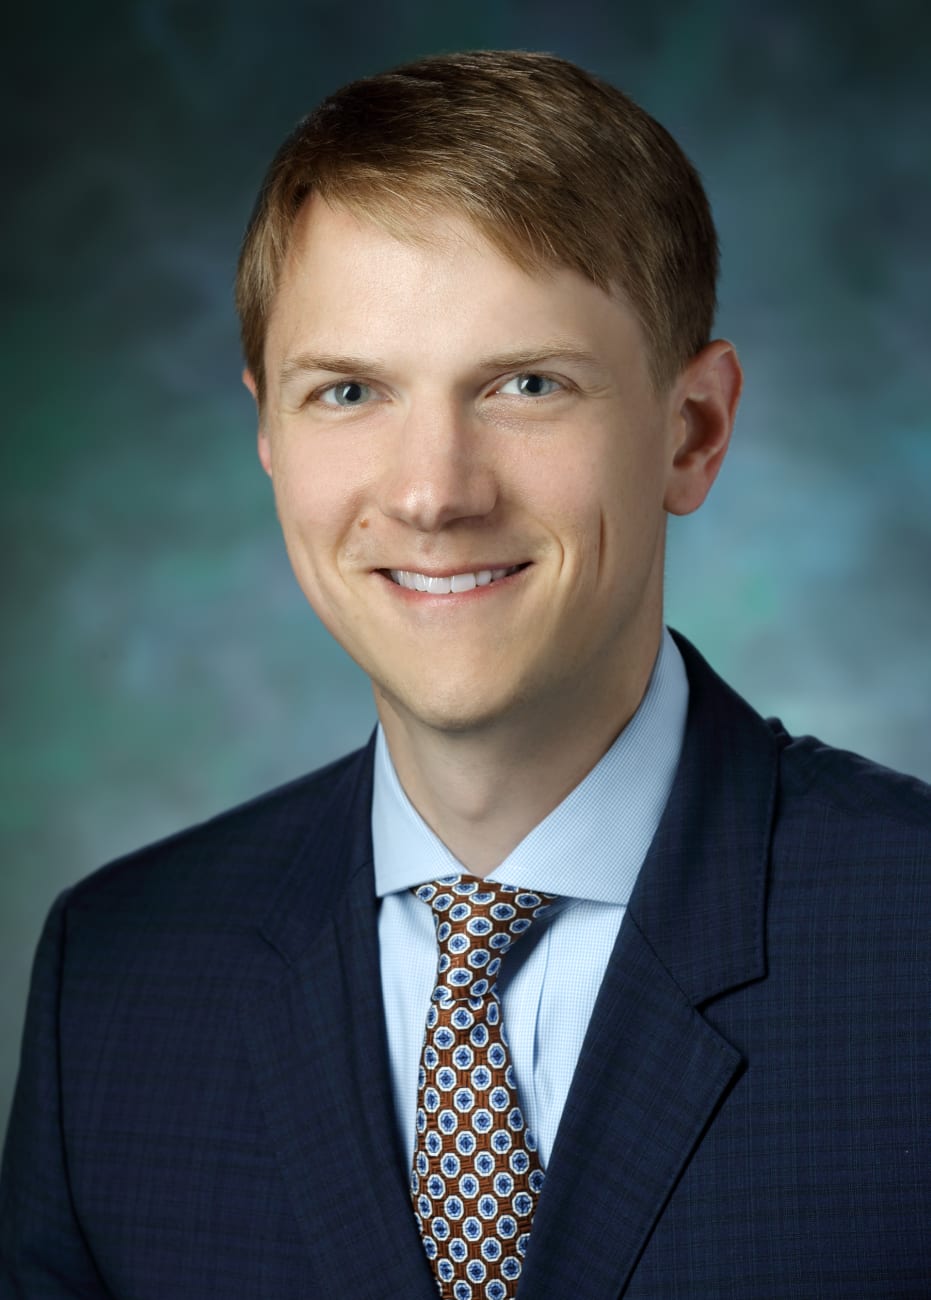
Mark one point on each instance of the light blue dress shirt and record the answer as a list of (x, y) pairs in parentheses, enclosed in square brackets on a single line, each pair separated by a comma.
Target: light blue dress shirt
[(588, 850)]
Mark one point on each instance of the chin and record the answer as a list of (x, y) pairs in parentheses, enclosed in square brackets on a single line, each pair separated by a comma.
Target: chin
[(456, 711)]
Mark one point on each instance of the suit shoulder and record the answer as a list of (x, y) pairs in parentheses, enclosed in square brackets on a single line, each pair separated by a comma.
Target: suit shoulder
[(854, 788), (237, 854)]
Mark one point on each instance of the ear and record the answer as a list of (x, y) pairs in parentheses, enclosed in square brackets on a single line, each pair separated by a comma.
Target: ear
[(705, 398), (264, 446)]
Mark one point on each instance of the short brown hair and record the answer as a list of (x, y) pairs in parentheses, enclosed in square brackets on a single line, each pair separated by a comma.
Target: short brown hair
[(553, 165)]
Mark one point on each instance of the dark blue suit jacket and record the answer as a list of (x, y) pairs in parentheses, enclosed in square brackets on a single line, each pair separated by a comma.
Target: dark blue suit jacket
[(204, 1108)]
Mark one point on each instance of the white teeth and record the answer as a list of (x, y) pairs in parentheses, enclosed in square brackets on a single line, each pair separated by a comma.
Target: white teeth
[(455, 583)]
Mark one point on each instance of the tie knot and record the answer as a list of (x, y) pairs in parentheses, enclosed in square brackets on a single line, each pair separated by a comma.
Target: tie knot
[(476, 921)]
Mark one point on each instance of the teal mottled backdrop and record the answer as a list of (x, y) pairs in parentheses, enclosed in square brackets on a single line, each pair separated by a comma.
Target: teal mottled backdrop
[(160, 663)]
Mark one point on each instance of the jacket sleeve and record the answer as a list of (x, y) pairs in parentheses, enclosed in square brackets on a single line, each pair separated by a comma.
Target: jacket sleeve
[(43, 1254)]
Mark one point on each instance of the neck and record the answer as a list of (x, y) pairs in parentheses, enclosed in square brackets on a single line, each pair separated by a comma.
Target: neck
[(483, 790)]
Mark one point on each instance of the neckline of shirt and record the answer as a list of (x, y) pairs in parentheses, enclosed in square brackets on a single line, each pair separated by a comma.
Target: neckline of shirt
[(592, 845)]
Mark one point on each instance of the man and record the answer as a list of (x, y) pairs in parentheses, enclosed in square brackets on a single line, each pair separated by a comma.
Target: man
[(477, 298)]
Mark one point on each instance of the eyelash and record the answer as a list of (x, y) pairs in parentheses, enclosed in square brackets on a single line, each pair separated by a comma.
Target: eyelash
[(318, 394), (534, 374)]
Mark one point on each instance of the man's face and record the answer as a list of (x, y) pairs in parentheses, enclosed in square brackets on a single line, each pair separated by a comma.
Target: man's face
[(470, 467)]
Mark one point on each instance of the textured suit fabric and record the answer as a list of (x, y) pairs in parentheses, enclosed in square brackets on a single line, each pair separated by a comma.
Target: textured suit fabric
[(750, 1115)]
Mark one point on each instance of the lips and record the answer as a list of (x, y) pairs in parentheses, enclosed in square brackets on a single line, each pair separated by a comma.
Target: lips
[(450, 584)]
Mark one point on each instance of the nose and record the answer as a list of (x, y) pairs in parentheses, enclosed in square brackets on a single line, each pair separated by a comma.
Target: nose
[(438, 470)]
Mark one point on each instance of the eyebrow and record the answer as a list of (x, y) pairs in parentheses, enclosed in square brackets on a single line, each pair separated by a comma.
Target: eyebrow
[(549, 350), (338, 364), (330, 363)]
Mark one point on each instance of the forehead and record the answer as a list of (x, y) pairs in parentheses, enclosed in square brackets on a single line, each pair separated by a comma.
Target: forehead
[(439, 288), (329, 237)]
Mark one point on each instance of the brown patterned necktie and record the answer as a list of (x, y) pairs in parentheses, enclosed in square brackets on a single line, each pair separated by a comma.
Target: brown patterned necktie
[(476, 1175)]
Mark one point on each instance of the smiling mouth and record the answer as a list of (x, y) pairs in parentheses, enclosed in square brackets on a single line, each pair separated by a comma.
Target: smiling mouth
[(452, 583)]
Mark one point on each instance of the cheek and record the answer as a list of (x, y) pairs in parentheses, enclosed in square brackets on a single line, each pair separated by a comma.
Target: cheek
[(611, 508), (317, 498), (574, 487)]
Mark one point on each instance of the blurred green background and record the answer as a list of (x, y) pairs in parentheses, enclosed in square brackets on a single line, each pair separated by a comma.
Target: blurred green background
[(160, 663)]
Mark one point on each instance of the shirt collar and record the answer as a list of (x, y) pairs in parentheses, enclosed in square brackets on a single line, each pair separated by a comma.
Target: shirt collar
[(591, 845)]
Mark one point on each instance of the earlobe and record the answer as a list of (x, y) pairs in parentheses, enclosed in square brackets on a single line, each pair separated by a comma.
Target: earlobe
[(265, 451), (264, 446), (706, 403)]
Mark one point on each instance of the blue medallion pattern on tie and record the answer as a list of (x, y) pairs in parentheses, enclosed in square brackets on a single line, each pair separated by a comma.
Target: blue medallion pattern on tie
[(476, 1174)]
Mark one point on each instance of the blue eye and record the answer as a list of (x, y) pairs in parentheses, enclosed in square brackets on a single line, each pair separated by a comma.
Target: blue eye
[(530, 385), (348, 393)]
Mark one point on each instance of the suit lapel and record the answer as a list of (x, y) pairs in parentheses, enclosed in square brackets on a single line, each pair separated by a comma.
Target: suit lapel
[(652, 1071), (318, 1049), (649, 1077)]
